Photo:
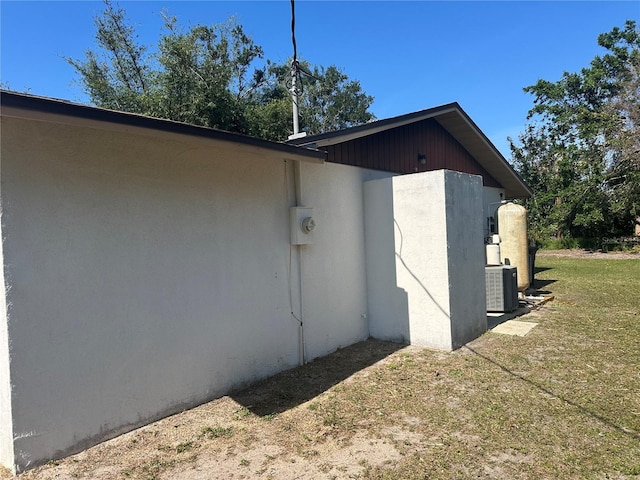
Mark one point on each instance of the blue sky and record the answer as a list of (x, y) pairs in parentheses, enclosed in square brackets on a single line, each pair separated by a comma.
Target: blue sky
[(408, 55)]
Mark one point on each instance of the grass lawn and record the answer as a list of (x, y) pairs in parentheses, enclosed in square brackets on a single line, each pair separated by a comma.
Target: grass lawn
[(561, 402)]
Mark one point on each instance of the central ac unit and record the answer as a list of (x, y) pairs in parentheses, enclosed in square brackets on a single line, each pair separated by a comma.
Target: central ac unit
[(502, 288)]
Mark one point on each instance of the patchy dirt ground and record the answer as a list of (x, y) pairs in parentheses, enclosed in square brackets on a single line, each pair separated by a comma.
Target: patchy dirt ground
[(255, 433), (313, 422)]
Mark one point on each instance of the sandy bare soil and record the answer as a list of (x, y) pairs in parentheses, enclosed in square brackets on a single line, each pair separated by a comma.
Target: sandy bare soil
[(254, 433)]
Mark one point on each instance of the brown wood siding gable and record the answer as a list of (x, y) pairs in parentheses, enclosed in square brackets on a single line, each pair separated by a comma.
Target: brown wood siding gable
[(396, 150)]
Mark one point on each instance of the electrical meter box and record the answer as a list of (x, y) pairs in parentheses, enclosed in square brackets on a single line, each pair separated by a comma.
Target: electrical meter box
[(302, 225)]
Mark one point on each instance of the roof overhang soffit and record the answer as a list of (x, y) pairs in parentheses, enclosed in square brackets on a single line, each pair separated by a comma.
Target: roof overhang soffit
[(478, 145)]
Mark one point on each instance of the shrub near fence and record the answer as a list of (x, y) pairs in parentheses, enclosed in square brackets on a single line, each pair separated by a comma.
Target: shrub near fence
[(571, 243), (620, 243), (604, 244)]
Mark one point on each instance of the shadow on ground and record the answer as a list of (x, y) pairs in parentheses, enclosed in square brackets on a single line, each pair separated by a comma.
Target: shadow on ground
[(296, 386), (540, 284), (613, 423)]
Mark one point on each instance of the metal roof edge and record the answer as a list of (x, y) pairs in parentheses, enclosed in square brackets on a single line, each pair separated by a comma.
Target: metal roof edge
[(18, 104), (493, 149), (338, 136), (489, 144)]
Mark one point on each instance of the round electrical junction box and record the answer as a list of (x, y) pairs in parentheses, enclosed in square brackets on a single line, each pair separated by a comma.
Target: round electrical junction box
[(308, 225)]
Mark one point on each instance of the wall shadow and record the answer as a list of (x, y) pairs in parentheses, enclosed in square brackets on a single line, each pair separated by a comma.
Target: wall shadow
[(387, 303), (607, 421), (414, 276), (539, 284), (293, 387)]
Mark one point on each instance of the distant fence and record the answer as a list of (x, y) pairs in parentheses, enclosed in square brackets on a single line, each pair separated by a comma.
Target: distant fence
[(620, 243)]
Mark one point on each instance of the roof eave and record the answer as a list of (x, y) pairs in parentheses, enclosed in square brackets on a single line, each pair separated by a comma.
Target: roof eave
[(456, 121), (352, 133), (467, 133), (59, 111)]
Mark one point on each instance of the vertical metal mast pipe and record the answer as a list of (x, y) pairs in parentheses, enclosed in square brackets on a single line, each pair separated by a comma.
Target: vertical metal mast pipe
[(294, 94), (294, 71)]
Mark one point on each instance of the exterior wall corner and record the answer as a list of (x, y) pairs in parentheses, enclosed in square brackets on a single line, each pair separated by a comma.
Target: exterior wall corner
[(7, 458)]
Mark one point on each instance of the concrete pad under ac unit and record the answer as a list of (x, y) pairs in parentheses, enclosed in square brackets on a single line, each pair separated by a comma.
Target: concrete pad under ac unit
[(514, 327)]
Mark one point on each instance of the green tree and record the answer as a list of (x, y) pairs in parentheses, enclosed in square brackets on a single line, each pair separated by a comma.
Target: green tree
[(213, 76), (328, 100), (121, 78), (624, 172), (579, 152)]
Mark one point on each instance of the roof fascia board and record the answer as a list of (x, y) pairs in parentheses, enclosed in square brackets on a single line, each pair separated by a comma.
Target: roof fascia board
[(487, 143), (66, 113), (352, 133), (377, 129)]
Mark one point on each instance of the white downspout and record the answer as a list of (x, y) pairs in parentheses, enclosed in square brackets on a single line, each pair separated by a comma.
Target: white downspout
[(297, 183)]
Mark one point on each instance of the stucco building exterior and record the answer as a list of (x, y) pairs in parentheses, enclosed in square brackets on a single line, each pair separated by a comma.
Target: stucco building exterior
[(149, 265)]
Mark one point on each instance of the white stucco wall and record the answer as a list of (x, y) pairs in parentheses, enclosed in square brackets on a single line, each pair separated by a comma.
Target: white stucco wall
[(145, 275), (6, 424), (388, 304), (333, 266), (148, 275), (465, 256), (414, 224)]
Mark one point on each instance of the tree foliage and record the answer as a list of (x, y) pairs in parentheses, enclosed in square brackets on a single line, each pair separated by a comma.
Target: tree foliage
[(579, 152), (213, 76)]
